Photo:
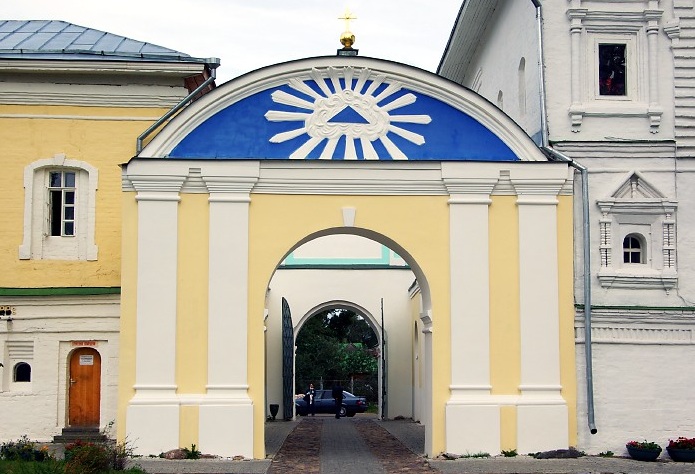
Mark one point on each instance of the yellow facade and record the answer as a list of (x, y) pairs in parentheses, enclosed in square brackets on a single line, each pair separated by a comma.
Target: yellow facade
[(417, 224), (103, 137)]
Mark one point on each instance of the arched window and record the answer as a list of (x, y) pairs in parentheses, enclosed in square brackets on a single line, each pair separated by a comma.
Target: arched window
[(633, 249), (522, 87), (22, 372), (59, 210)]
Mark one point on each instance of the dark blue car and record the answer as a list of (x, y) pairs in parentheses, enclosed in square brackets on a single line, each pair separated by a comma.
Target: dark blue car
[(324, 403)]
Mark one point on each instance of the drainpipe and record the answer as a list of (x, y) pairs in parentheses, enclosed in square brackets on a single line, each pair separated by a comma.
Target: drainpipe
[(586, 236), (213, 64)]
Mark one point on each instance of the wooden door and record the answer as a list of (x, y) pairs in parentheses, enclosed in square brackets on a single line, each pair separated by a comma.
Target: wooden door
[(84, 388)]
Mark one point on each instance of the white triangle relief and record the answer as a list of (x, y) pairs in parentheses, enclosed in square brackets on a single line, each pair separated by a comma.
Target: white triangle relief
[(322, 130)]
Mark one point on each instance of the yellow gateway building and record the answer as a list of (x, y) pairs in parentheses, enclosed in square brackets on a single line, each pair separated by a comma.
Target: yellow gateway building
[(205, 211)]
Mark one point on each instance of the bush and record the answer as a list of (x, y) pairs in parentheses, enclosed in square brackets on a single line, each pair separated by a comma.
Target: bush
[(23, 450), (87, 458)]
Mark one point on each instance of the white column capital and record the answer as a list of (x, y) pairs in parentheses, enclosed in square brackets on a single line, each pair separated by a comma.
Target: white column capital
[(152, 185), (224, 185)]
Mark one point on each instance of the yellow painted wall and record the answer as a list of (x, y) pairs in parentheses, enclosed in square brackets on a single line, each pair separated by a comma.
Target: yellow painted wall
[(74, 131), (192, 306), (505, 328), (419, 224)]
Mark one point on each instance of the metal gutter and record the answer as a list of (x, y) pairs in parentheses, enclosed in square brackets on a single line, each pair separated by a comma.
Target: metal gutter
[(213, 64), (586, 235)]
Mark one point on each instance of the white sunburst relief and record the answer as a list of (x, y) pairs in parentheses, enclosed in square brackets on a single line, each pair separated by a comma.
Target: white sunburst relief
[(321, 123)]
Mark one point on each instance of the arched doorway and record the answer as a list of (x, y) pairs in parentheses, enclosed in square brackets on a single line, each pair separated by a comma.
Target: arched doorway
[(368, 274), (84, 388), (246, 174), (356, 274)]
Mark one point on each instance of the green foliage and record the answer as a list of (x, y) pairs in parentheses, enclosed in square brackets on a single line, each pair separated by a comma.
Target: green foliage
[(87, 458), (335, 345), (509, 454), (682, 443), (606, 454), (476, 455), (651, 445), (192, 453), (23, 450)]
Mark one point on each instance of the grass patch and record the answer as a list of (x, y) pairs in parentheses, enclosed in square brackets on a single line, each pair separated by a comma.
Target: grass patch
[(476, 455)]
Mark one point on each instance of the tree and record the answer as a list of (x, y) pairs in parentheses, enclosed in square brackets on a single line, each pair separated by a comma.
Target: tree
[(334, 345)]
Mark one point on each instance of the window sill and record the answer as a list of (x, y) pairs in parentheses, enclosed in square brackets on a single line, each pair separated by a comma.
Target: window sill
[(615, 108), (652, 279)]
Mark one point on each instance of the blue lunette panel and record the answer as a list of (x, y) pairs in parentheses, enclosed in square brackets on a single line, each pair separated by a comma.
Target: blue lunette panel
[(242, 130)]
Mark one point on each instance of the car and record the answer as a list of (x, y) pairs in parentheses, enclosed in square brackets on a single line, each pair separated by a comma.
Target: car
[(324, 403)]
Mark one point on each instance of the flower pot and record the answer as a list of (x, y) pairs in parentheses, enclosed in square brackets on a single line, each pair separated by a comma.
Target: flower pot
[(681, 455), (640, 454)]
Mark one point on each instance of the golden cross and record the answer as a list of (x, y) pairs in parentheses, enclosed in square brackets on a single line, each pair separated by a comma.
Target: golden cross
[(347, 16)]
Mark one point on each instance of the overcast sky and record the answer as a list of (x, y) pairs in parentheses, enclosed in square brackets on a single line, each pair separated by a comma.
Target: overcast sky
[(248, 34)]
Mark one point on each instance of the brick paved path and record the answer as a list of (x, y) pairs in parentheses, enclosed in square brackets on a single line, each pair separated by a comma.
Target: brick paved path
[(348, 445)]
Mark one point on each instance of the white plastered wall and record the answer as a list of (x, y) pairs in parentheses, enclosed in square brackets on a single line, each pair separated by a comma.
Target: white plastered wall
[(54, 327)]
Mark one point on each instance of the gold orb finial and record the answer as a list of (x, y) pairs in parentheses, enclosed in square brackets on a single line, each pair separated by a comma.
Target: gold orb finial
[(347, 39)]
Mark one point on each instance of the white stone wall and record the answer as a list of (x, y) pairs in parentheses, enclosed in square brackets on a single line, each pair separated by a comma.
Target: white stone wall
[(53, 324), (643, 335), (642, 375), (511, 37)]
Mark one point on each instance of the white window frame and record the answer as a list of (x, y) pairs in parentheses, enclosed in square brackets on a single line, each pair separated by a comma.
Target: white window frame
[(37, 243), (588, 29), (637, 208), (631, 77)]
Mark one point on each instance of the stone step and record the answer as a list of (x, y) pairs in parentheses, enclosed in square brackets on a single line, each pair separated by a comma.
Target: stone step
[(73, 433)]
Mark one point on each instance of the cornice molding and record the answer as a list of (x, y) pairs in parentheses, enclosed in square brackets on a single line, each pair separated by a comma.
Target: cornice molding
[(91, 95), (37, 66)]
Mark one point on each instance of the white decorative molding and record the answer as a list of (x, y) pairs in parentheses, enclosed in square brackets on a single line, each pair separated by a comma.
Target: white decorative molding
[(637, 335), (90, 95), (349, 216), (416, 81), (638, 30), (361, 98), (636, 206), (34, 240)]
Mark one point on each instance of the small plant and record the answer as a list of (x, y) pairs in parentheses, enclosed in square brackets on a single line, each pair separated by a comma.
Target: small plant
[(23, 450), (606, 454), (192, 453), (510, 453), (87, 458), (681, 443), (476, 455), (648, 445)]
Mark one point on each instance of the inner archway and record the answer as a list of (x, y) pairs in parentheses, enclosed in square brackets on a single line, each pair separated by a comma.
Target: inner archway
[(362, 275)]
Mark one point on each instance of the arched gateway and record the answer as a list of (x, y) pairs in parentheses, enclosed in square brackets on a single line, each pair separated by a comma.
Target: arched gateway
[(356, 146)]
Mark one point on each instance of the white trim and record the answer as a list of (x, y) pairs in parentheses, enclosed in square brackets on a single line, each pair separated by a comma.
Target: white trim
[(228, 279), (156, 285), (84, 229)]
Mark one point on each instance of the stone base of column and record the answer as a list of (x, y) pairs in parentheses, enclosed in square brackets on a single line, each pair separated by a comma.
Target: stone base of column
[(542, 427), (152, 428), (472, 428), (226, 428)]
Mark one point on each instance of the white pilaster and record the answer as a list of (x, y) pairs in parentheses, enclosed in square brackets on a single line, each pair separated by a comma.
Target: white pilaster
[(228, 410), (542, 421), (472, 419), (153, 412)]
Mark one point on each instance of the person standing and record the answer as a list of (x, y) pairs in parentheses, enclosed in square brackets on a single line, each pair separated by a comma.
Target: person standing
[(309, 399), (337, 393)]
